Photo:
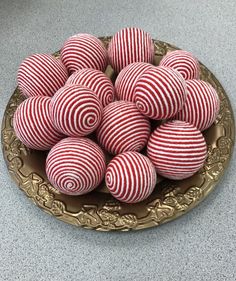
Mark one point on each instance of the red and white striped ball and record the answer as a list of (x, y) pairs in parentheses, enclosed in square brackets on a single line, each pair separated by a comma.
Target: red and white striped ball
[(184, 62), (123, 128), (127, 79), (130, 177), (33, 125), (95, 80), (177, 149), (130, 45), (41, 75), (75, 166), (160, 93), (84, 51), (202, 105), (76, 110)]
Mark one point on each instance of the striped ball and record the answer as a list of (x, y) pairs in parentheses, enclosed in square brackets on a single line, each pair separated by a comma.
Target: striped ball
[(33, 125), (183, 62), (127, 79), (95, 80), (160, 93), (202, 105), (130, 177), (177, 149), (75, 166), (130, 45), (76, 110), (41, 75), (84, 51), (123, 128)]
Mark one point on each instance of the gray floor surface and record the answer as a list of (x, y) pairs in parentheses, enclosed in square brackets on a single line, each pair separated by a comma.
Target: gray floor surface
[(200, 245)]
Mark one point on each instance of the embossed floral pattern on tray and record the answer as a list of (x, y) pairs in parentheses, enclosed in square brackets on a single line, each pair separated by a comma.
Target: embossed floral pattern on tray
[(99, 210)]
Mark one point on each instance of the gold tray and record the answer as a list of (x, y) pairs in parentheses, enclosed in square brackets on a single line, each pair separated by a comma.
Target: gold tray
[(99, 210)]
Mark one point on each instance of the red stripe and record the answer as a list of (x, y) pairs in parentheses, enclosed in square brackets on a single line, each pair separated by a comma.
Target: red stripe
[(33, 125), (123, 127), (130, 45), (202, 105), (75, 166), (177, 154), (84, 51), (95, 80), (41, 75), (184, 62), (130, 177), (160, 93), (76, 110)]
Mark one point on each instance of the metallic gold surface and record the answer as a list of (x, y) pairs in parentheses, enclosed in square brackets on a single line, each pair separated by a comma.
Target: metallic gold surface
[(98, 209)]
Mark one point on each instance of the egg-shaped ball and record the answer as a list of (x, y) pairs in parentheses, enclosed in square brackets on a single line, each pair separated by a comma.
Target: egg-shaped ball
[(84, 51), (123, 128), (41, 75), (95, 80), (202, 105), (160, 93), (177, 149), (130, 177), (130, 45), (33, 125), (76, 110), (75, 166), (127, 79), (183, 62)]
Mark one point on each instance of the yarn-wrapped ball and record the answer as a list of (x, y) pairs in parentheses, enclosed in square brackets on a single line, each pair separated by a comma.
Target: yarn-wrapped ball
[(184, 62), (33, 125), (130, 45), (127, 79), (130, 177), (160, 93), (177, 149), (123, 128), (41, 75), (76, 110), (202, 105), (75, 166), (84, 51), (95, 80)]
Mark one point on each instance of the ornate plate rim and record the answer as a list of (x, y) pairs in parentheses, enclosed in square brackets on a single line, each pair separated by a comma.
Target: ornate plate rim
[(174, 203)]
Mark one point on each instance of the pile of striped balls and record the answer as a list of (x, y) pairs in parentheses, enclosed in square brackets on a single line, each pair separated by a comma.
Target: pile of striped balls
[(69, 98)]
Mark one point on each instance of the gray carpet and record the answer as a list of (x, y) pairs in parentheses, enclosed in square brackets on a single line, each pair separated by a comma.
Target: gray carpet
[(200, 245)]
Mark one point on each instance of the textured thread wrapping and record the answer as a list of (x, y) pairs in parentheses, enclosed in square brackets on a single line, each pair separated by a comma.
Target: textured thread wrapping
[(172, 199)]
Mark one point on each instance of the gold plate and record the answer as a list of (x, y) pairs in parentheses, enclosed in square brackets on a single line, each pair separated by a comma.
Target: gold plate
[(98, 209)]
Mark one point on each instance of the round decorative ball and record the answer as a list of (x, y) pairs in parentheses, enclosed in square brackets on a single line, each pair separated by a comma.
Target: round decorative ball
[(130, 45), (95, 80), (177, 149), (184, 62), (160, 93), (41, 75), (75, 166), (123, 128), (127, 79), (130, 177), (202, 105), (84, 51), (33, 125), (76, 110)]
